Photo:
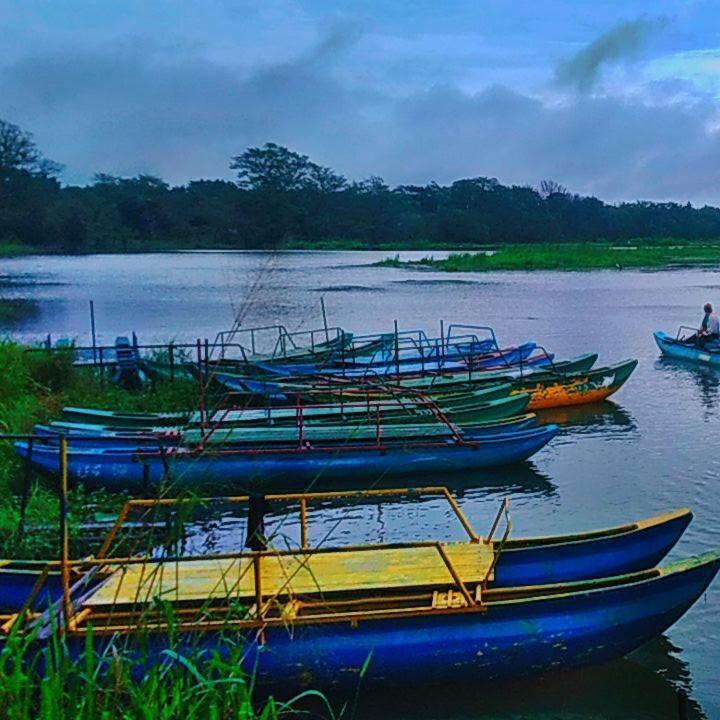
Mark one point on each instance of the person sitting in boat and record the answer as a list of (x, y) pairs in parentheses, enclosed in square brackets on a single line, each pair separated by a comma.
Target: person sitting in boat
[(709, 328)]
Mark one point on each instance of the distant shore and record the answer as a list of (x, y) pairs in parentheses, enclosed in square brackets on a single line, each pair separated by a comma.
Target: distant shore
[(641, 253), (570, 256)]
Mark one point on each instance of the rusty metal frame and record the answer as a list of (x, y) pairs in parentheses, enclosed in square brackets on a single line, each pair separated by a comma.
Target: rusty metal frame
[(129, 620)]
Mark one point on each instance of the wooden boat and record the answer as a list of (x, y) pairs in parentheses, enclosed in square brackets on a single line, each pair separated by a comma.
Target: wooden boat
[(504, 357), (678, 350), (266, 436), (465, 410), (329, 405), (576, 388), (283, 389), (290, 465), (427, 610), (548, 389), (524, 561)]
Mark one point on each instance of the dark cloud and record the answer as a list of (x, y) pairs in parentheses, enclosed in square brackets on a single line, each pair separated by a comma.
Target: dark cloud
[(621, 42), (143, 107)]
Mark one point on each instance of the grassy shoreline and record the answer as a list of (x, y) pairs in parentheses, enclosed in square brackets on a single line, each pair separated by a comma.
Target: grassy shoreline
[(575, 256), (34, 387), (638, 253)]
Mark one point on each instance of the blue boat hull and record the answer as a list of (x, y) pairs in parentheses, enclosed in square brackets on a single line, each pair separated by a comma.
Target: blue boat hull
[(505, 358), (572, 625), (669, 347), (16, 584), (566, 559), (236, 469)]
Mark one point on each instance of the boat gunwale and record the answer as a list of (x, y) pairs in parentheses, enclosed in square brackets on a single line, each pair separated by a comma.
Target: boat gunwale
[(546, 593)]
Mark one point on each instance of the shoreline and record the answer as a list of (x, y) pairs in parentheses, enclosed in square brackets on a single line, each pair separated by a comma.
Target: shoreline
[(568, 257), (639, 255)]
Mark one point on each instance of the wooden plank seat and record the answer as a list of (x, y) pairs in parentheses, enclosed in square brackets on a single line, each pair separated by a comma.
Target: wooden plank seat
[(356, 571)]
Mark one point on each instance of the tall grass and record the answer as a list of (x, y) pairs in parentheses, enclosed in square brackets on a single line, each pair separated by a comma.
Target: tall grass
[(73, 679), (34, 387)]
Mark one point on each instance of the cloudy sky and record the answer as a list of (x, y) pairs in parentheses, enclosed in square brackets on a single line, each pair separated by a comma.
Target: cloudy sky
[(616, 98)]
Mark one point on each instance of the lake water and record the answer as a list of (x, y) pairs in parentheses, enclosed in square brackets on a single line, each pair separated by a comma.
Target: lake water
[(656, 447)]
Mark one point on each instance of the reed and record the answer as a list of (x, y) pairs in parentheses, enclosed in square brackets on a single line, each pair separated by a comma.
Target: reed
[(115, 680), (34, 387)]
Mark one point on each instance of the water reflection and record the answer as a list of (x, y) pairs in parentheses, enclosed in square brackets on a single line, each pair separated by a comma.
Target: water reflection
[(219, 527), (706, 379), (606, 417), (641, 687)]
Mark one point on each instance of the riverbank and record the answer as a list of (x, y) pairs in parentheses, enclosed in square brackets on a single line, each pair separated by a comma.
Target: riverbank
[(34, 387), (574, 256)]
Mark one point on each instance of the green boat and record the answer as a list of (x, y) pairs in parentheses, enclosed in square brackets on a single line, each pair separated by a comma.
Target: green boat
[(432, 386), (462, 409)]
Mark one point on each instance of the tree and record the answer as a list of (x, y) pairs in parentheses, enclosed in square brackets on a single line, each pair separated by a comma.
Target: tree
[(550, 187), (271, 167), (18, 152), (324, 179)]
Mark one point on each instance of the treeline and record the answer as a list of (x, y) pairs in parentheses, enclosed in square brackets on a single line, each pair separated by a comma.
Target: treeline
[(282, 199)]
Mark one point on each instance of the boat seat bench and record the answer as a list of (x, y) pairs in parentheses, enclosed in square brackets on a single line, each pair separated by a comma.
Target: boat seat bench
[(318, 573)]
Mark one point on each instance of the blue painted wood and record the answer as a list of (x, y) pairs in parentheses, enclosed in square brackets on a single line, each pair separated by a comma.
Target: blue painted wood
[(523, 634), (119, 469), (505, 358), (671, 348), (17, 581), (578, 557)]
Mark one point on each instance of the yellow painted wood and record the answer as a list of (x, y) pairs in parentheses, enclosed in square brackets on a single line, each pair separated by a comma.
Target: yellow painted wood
[(323, 572)]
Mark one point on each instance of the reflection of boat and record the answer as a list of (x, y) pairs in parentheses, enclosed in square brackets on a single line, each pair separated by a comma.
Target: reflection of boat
[(627, 689), (603, 415), (706, 377)]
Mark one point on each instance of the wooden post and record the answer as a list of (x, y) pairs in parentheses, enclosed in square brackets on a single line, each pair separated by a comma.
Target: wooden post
[(64, 538), (171, 357), (201, 397), (26, 489), (92, 330), (397, 350), (324, 314), (303, 524)]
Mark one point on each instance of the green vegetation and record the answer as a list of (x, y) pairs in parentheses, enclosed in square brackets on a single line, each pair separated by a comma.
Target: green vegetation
[(34, 387), (113, 683), (575, 256), (283, 200)]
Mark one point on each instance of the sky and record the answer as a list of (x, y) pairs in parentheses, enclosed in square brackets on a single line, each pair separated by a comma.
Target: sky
[(617, 99)]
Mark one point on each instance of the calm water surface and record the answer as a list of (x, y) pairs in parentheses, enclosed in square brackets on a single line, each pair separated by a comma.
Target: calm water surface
[(656, 447)]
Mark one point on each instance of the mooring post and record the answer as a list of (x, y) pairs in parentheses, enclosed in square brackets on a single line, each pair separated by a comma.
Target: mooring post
[(171, 358), (324, 314), (397, 349), (64, 538), (92, 331), (26, 489)]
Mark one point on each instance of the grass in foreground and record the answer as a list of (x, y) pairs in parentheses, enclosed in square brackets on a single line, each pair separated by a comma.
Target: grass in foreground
[(113, 681), (575, 256)]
